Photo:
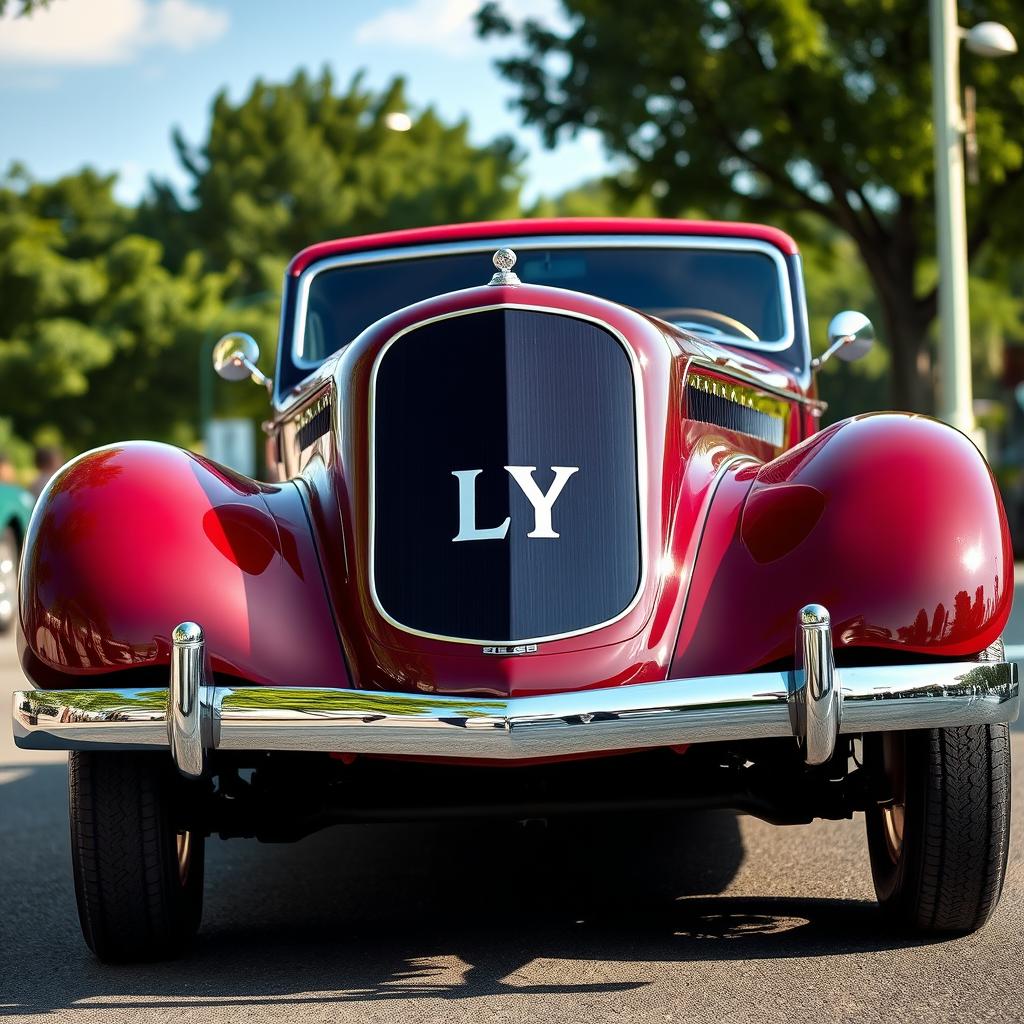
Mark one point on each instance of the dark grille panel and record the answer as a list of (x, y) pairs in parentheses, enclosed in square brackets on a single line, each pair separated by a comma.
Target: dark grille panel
[(484, 391), (723, 412)]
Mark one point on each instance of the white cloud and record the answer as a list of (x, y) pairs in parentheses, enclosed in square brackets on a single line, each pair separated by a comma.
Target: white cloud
[(76, 33), (185, 25), (445, 26)]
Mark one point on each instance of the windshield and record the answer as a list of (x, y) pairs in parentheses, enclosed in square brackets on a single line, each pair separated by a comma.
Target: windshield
[(737, 296)]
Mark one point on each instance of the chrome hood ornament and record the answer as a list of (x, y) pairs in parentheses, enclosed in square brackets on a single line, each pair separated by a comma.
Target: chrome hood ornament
[(504, 260)]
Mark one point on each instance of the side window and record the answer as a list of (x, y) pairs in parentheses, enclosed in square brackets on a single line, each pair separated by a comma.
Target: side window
[(315, 342)]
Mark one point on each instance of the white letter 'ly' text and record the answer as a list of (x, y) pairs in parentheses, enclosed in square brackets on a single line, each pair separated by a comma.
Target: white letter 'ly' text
[(542, 501)]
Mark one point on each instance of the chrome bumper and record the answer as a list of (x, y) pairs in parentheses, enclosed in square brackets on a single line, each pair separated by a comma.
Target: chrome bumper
[(815, 703)]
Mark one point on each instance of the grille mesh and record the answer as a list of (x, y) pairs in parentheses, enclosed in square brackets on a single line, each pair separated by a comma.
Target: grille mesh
[(317, 426), (724, 412)]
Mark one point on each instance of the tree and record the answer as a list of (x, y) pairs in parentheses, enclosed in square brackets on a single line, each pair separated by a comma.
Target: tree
[(296, 163), (95, 334), (108, 310), (776, 108)]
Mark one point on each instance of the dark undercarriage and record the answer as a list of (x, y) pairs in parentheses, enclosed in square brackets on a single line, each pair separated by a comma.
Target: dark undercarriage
[(281, 797)]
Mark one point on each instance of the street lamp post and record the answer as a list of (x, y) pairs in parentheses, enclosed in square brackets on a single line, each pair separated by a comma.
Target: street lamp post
[(990, 40)]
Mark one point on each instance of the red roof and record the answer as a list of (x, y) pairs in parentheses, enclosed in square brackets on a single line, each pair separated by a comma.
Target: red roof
[(543, 226)]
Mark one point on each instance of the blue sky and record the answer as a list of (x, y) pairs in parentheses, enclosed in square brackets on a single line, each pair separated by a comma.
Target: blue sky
[(102, 82)]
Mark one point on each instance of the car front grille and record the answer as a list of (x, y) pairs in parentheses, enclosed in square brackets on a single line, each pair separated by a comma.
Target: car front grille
[(473, 413)]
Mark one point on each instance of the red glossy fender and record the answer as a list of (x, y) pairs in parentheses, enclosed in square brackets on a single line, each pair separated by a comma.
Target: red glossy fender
[(128, 541), (893, 522)]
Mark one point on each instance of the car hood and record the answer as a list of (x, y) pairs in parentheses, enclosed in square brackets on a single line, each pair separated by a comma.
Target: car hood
[(507, 494)]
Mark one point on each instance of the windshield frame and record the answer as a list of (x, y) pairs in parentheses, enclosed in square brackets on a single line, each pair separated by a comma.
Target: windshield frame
[(525, 243)]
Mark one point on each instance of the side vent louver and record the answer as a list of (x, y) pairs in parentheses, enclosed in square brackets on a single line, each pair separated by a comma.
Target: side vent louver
[(735, 407), (314, 422)]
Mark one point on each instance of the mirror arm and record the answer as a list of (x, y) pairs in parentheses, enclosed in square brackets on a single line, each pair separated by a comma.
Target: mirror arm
[(257, 375), (831, 351)]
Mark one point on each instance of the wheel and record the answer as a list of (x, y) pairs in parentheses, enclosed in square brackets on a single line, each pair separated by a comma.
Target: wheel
[(8, 578), (138, 872), (938, 833)]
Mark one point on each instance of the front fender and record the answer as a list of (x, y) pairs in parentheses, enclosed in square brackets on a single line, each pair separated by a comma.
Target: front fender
[(891, 521), (130, 540)]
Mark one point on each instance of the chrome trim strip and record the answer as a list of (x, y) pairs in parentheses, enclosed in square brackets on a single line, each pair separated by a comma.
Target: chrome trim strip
[(676, 711), (640, 428), (524, 243), (728, 370)]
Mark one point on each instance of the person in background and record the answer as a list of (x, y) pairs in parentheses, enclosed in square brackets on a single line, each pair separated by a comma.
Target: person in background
[(7, 475), (49, 458)]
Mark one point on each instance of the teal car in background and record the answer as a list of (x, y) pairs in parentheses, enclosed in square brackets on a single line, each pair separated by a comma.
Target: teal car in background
[(15, 508)]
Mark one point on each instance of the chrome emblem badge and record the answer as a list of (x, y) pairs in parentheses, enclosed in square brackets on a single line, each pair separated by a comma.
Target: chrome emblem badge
[(542, 502), (517, 649)]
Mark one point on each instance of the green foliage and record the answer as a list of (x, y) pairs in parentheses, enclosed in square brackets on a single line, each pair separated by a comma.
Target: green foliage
[(109, 313), (772, 109), (15, 449), (94, 330), (296, 163), (605, 197), (835, 279)]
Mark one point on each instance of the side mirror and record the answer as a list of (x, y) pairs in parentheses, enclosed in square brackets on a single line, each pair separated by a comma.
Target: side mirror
[(235, 356), (850, 337)]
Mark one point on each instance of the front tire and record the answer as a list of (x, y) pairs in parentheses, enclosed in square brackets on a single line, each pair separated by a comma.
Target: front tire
[(138, 872), (938, 832)]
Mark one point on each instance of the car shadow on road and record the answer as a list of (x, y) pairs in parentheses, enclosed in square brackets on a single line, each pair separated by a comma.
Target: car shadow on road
[(418, 911)]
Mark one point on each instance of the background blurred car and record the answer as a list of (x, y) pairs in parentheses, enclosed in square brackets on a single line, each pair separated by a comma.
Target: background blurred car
[(15, 507)]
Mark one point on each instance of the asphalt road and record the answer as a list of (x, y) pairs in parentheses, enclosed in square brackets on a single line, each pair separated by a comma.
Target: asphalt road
[(698, 918)]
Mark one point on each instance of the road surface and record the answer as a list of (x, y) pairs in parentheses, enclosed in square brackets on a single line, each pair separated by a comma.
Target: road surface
[(704, 918)]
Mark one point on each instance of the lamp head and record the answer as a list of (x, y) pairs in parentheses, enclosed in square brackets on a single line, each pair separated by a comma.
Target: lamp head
[(990, 39)]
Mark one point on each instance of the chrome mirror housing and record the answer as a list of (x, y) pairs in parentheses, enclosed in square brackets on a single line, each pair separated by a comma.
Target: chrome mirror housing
[(235, 356), (850, 337)]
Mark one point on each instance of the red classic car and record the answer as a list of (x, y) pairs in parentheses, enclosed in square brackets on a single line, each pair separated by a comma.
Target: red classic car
[(565, 538)]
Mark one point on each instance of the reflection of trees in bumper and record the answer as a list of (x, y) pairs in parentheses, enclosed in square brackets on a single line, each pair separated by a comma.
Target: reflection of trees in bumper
[(326, 701), (984, 681), (108, 705)]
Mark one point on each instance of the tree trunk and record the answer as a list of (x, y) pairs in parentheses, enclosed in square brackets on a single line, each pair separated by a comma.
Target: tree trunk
[(905, 327), (891, 261)]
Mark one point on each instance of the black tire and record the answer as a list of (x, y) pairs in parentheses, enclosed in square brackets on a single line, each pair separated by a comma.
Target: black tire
[(8, 578), (940, 868), (138, 873)]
